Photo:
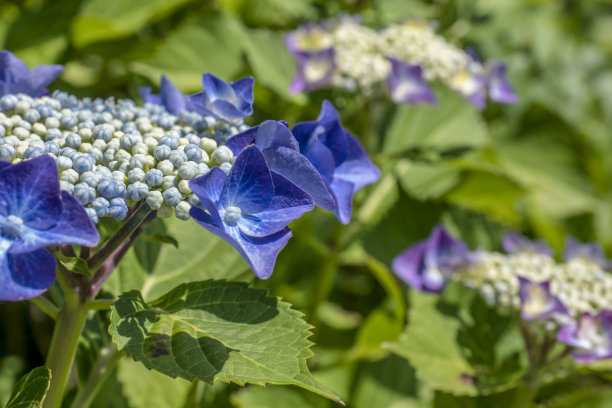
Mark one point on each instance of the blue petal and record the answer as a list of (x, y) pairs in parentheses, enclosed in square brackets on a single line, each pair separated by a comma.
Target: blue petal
[(260, 253), (226, 110), (299, 170), (12, 69), (24, 276), (148, 97), (249, 183), (407, 85), (30, 190), (4, 164), (243, 88), (357, 167), (288, 204), (208, 189), (321, 158), (74, 227), (216, 88), (237, 143), (343, 193), (171, 98), (38, 79), (200, 103), (272, 134)]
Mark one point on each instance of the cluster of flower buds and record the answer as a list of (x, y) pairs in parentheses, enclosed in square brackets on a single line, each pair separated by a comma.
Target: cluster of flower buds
[(575, 294), (404, 57)]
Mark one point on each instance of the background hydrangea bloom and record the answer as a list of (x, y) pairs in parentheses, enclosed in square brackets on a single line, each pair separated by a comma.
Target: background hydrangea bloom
[(591, 335), (514, 242), (591, 252), (16, 77), (428, 264), (250, 208), (338, 156), (407, 85), (223, 100), (35, 214), (537, 302)]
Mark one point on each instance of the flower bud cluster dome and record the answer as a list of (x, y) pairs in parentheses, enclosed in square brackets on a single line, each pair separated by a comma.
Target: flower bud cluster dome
[(112, 153), (405, 57)]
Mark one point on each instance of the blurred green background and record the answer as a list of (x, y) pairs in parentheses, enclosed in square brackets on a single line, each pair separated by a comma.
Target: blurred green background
[(541, 166)]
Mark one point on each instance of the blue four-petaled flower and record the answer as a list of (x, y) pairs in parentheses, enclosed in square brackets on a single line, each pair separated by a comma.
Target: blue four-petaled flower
[(338, 156), (406, 84), (16, 77), (34, 214), (250, 208), (223, 100)]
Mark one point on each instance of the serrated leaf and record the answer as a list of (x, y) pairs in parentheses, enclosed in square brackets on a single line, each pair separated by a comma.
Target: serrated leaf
[(427, 181), (429, 343), (100, 20), (75, 265), (217, 330), (31, 389), (451, 124), (200, 45)]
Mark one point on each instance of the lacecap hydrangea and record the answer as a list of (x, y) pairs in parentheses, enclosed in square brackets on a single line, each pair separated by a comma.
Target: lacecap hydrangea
[(169, 156), (404, 58), (573, 297)]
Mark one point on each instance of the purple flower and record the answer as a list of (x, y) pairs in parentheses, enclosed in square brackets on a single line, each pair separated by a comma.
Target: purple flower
[(536, 300), (170, 97), (339, 158), (16, 77), (282, 153), (591, 252), (250, 208), (34, 213), (428, 264), (223, 100), (498, 86), (470, 83), (314, 69), (514, 242), (407, 85), (591, 335), (309, 37)]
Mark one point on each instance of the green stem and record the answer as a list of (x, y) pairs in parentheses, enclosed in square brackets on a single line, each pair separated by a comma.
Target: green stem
[(46, 306), (68, 327), (99, 304), (131, 224), (384, 276), (103, 368)]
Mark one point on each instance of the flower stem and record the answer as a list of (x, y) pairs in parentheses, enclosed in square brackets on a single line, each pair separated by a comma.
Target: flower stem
[(109, 356), (46, 306), (131, 224), (64, 342)]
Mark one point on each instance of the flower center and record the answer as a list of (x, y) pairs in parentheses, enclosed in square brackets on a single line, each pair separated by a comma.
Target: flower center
[(537, 301), (232, 215), (12, 226)]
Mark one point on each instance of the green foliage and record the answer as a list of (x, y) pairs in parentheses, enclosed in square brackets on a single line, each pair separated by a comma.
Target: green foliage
[(216, 330), (31, 389), (73, 264)]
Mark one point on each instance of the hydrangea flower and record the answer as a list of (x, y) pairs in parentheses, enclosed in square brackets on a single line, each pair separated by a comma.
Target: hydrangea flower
[(470, 83), (428, 264), (250, 208), (309, 37), (282, 153), (407, 85), (16, 77), (498, 86), (591, 252), (514, 242), (537, 302), (170, 97), (34, 214), (314, 69), (591, 335), (223, 100), (338, 156)]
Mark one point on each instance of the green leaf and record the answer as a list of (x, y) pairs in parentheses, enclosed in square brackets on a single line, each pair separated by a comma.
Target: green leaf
[(429, 343), (101, 20), (75, 265), (144, 388), (161, 238), (10, 367), (451, 124), (272, 64), (31, 389), (427, 181), (217, 330), (257, 397), (205, 44)]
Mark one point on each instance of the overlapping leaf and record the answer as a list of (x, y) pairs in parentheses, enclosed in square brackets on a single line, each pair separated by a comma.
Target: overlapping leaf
[(217, 330), (31, 389)]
